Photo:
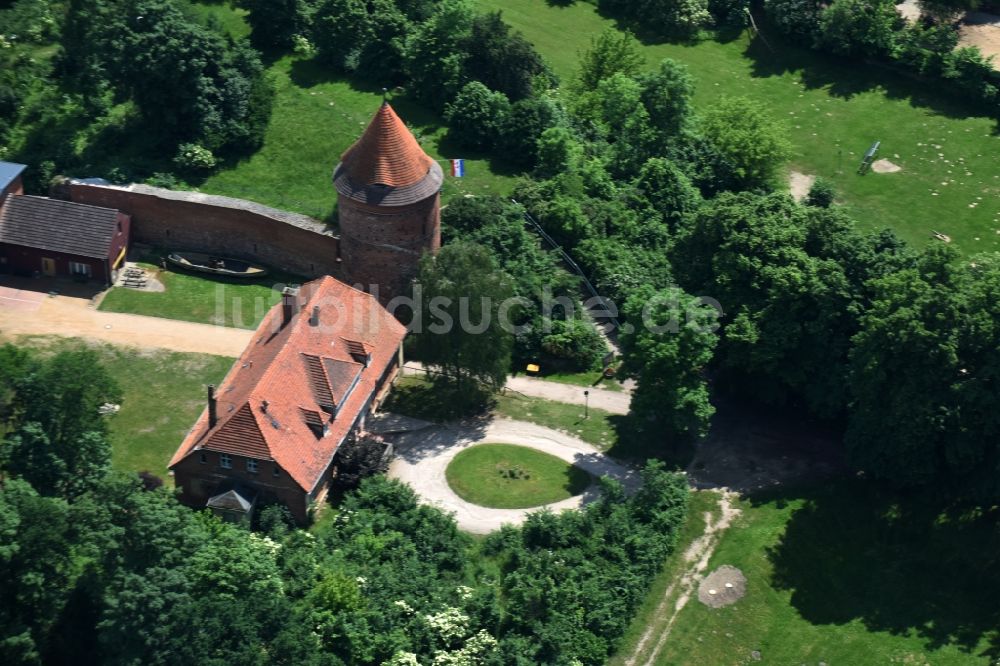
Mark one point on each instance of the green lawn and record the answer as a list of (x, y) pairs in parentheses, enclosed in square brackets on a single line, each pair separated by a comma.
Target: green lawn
[(593, 378), (504, 476), (199, 299), (700, 503), (833, 111), (597, 428), (164, 392), (845, 575)]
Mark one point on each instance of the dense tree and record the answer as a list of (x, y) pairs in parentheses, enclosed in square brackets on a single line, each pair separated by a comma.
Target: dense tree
[(360, 458), (611, 52), (821, 193), (502, 59), (461, 325), (666, 95), (791, 281), (925, 373), (523, 127), (796, 19), (434, 54), (667, 190), (750, 144), (862, 28), (359, 36), (58, 439), (276, 23), (37, 569), (188, 82), (476, 116), (668, 342)]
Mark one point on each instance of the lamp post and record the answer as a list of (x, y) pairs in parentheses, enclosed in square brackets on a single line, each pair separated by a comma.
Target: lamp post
[(586, 404)]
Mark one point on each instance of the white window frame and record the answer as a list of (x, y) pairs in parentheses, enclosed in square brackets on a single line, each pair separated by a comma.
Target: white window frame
[(225, 461), (252, 465), (79, 268)]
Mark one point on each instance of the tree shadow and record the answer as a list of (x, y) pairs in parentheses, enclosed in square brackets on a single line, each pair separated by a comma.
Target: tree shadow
[(438, 400), (898, 563), (845, 78)]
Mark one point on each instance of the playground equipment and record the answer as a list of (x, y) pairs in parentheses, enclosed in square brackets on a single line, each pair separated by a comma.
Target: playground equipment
[(866, 161)]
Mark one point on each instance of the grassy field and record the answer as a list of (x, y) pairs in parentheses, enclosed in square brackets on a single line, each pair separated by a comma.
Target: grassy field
[(699, 503), (833, 111), (317, 116), (504, 476), (199, 299), (844, 575), (164, 392)]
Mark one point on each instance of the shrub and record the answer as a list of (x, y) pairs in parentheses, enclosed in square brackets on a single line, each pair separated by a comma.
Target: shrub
[(576, 341), (821, 193), (863, 28), (748, 142), (796, 19), (973, 74), (476, 116), (192, 157)]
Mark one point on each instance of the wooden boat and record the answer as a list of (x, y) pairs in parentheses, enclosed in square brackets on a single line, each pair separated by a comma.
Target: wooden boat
[(214, 265)]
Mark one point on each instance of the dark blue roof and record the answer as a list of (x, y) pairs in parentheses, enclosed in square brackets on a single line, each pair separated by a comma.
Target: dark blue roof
[(8, 172)]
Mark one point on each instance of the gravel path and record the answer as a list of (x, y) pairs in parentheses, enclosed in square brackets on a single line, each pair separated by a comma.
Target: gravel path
[(422, 457)]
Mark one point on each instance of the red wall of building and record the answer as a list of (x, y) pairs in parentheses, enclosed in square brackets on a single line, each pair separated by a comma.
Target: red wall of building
[(199, 481), (15, 187), (178, 224), (383, 245), (22, 260)]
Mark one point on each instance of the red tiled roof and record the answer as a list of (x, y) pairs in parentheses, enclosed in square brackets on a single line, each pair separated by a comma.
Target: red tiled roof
[(386, 154), (277, 367)]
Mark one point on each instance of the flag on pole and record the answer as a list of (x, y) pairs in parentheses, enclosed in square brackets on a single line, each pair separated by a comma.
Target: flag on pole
[(458, 168)]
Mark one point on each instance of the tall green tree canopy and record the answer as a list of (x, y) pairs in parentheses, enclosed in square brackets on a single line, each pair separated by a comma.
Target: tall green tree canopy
[(926, 367), (750, 144), (460, 322), (188, 82), (668, 340)]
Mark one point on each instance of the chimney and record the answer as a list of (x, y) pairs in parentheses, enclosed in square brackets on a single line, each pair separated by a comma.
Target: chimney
[(314, 320), (263, 406), (213, 417), (289, 304)]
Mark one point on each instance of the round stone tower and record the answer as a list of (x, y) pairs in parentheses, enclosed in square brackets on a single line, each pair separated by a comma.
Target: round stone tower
[(389, 204)]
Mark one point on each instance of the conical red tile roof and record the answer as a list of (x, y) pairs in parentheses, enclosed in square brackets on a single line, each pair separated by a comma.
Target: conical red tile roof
[(386, 154)]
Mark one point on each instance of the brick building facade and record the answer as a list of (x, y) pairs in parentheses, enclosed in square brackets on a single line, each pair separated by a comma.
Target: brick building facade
[(389, 203), (320, 362)]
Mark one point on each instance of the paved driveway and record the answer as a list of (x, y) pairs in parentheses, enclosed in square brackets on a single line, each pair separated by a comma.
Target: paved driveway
[(423, 456), (13, 300)]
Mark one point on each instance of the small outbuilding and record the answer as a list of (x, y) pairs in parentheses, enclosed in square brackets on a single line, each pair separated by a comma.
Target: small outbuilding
[(42, 236)]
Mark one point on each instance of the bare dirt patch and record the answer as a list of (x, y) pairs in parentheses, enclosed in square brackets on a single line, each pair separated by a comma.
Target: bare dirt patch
[(800, 183), (724, 586), (885, 166), (983, 31)]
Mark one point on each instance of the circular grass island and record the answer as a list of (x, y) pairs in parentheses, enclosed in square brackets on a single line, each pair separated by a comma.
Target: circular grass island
[(505, 476)]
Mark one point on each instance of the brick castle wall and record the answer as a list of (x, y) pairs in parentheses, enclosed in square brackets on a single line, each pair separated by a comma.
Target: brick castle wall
[(192, 221), (384, 248)]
